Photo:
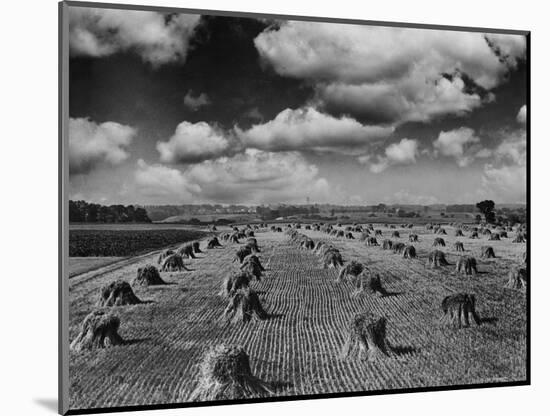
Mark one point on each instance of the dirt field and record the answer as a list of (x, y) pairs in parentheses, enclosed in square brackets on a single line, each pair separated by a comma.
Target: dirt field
[(298, 346)]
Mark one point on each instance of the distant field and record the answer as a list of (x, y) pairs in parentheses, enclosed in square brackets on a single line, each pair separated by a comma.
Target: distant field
[(298, 347), (109, 242), (211, 217), (78, 265)]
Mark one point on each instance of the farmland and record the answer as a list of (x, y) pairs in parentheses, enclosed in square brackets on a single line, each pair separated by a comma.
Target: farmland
[(124, 242), (298, 347)]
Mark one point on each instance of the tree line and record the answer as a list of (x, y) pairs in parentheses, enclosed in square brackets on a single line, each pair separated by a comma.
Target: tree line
[(82, 211)]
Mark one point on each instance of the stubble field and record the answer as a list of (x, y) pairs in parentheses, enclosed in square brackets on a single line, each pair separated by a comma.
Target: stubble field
[(297, 348)]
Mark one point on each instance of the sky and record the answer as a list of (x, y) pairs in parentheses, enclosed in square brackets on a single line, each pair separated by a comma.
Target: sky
[(188, 109)]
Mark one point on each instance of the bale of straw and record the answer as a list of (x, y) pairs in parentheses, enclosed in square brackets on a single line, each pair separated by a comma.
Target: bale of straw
[(517, 278), (438, 242), (252, 258), (225, 375), (98, 330), (307, 244), (387, 244), (458, 309), (441, 231), (213, 243), (234, 238), (332, 259), (252, 243), (366, 338), (253, 269), (249, 233), (474, 234), (487, 252), (242, 253), (459, 246), (494, 237), (117, 293), (466, 265), (187, 251), (148, 276), (234, 282), (371, 242), (318, 246), (364, 235), (173, 263), (503, 234), (165, 254), (409, 252), (352, 269), (459, 233), (349, 236), (519, 238), (369, 283), (378, 233), (340, 234), (395, 234), (196, 247), (413, 238), (436, 258), (398, 248), (244, 306)]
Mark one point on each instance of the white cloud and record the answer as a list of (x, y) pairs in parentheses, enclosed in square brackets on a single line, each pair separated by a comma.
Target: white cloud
[(390, 74), (193, 143), (455, 143), (401, 153), (522, 115), (195, 103), (158, 38), (254, 176), (505, 183), (408, 99), (91, 143), (505, 177), (163, 181), (309, 129)]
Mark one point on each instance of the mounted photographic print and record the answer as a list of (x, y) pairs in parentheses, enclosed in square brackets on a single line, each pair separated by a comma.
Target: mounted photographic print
[(263, 208)]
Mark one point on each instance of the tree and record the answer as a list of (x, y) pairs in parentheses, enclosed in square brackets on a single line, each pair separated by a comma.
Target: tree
[(487, 208)]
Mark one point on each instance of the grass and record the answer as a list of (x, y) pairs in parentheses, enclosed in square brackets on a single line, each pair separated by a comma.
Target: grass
[(298, 347)]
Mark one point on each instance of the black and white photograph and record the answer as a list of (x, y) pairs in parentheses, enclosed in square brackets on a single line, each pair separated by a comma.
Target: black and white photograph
[(264, 207)]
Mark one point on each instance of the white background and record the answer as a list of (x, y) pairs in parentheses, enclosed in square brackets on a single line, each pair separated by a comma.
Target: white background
[(28, 231)]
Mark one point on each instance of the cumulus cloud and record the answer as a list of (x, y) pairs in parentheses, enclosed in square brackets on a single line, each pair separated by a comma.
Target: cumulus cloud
[(309, 129), (196, 142), (505, 177), (253, 176), (457, 144), (91, 144), (401, 153), (195, 103), (398, 101), (522, 115), (163, 181), (390, 74), (158, 38)]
